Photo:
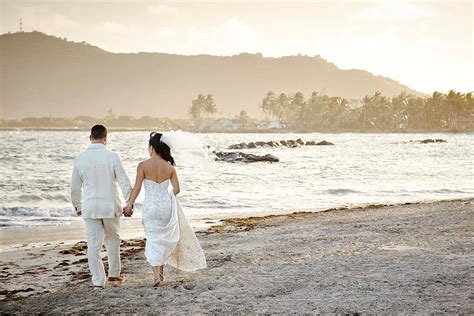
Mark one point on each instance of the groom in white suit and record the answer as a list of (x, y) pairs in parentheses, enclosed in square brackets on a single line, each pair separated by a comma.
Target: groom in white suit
[(94, 194)]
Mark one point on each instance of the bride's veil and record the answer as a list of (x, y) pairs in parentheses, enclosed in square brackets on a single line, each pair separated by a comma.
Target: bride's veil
[(187, 149)]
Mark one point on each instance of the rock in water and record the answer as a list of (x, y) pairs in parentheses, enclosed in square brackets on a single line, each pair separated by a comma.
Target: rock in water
[(238, 146), (282, 143), (243, 157), (323, 143), (292, 143)]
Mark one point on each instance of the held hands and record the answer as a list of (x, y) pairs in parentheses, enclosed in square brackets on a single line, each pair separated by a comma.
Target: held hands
[(128, 210), (78, 212)]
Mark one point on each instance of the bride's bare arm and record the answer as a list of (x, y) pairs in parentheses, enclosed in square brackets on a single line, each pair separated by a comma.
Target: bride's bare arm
[(175, 182), (138, 184)]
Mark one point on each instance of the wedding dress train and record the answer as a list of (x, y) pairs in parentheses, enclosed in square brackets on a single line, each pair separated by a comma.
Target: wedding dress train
[(170, 239)]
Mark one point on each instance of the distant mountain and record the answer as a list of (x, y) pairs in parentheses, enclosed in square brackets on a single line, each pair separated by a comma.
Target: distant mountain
[(44, 75)]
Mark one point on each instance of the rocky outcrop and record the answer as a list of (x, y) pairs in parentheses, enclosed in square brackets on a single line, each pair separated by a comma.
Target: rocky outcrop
[(282, 143), (244, 157)]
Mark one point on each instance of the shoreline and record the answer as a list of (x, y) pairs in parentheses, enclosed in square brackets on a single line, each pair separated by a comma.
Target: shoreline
[(412, 258), (132, 228)]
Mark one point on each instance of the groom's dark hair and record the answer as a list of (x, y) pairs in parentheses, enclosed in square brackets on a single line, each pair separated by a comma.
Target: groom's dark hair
[(98, 131)]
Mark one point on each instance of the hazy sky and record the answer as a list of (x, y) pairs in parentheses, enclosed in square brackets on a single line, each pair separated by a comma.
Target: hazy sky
[(425, 45)]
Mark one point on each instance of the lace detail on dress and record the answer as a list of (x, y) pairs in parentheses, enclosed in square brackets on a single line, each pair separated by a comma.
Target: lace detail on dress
[(157, 207), (170, 237)]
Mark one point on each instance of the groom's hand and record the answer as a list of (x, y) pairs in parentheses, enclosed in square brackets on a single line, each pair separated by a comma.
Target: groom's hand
[(127, 211)]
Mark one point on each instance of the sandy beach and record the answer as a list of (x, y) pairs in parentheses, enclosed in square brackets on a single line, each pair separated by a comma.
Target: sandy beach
[(411, 258)]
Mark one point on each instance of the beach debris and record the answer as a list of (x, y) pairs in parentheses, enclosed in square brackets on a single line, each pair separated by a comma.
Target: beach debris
[(282, 143), (233, 225), (133, 243), (63, 264), (132, 251), (244, 157), (80, 275), (428, 141), (78, 249), (11, 295)]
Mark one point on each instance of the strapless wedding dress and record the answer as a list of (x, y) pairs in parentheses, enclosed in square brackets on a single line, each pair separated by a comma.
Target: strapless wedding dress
[(170, 239)]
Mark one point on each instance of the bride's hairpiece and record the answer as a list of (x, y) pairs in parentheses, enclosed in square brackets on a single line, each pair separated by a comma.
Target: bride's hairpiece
[(153, 134)]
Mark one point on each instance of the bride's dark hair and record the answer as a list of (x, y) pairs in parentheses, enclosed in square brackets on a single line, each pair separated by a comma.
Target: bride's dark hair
[(161, 148)]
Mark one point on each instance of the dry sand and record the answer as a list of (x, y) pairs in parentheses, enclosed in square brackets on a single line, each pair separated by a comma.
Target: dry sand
[(412, 258)]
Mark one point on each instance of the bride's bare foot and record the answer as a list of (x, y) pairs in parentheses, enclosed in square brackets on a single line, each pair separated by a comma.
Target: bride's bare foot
[(162, 274), (159, 275)]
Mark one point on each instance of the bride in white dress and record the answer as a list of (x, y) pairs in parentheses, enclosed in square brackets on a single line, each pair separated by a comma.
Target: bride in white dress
[(170, 238)]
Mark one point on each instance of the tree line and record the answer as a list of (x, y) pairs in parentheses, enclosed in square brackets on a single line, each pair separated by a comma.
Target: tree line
[(373, 112), (318, 112)]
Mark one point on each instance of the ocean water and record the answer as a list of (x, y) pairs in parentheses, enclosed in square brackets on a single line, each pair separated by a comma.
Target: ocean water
[(35, 168)]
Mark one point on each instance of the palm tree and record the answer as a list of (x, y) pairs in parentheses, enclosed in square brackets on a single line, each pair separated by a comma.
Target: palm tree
[(456, 105), (281, 106), (195, 111), (337, 107), (197, 107), (311, 110), (415, 112), (243, 117), (295, 110), (435, 112), (376, 110), (317, 110), (399, 107), (210, 106), (268, 103), (366, 104)]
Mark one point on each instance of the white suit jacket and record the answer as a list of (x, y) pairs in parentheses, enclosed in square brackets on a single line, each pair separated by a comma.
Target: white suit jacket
[(94, 188)]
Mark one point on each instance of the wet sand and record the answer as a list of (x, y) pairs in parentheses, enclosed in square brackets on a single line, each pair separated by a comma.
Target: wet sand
[(34, 237), (37, 237), (412, 258)]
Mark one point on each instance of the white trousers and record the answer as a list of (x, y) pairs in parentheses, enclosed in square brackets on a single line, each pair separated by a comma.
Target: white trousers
[(97, 231)]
